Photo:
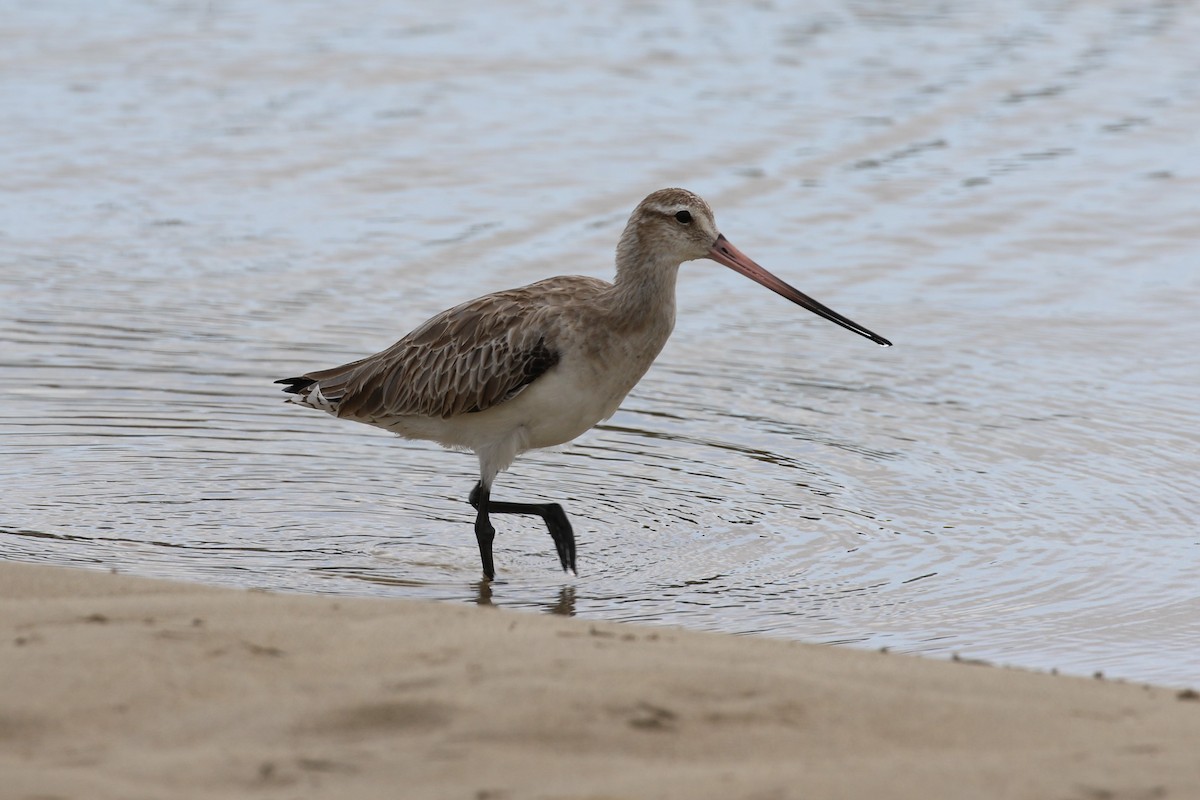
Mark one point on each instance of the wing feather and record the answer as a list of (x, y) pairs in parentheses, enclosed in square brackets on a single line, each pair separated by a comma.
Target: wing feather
[(466, 359)]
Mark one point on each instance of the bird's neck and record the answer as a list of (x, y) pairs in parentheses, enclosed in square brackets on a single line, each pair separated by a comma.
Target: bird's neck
[(643, 292)]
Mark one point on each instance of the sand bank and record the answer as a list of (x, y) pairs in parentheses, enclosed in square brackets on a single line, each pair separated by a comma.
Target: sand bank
[(118, 687)]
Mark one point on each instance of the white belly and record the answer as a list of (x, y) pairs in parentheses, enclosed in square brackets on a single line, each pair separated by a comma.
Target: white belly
[(556, 408)]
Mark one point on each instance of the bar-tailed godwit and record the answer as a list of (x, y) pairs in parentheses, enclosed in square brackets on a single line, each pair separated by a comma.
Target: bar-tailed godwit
[(537, 366)]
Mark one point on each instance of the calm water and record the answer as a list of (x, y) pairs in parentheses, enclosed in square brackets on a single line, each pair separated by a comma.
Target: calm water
[(200, 197)]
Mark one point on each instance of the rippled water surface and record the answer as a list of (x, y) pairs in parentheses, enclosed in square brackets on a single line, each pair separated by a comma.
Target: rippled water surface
[(201, 197)]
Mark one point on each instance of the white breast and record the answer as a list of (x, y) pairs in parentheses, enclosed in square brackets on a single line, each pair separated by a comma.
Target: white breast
[(582, 390)]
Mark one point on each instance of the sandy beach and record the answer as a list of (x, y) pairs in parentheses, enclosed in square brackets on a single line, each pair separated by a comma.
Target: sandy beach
[(120, 687)]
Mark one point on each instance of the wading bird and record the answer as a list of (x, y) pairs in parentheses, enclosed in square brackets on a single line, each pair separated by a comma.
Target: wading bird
[(537, 366)]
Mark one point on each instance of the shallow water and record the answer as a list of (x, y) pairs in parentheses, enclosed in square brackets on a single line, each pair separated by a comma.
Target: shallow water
[(202, 197)]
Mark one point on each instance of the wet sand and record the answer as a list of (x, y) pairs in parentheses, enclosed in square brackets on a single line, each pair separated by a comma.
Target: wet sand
[(120, 687)]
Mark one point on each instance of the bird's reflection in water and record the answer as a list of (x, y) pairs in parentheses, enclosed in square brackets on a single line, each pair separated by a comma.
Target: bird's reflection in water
[(566, 602), (563, 605)]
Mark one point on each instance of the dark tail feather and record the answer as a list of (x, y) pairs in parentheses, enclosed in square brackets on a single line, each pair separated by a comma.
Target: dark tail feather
[(296, 385)]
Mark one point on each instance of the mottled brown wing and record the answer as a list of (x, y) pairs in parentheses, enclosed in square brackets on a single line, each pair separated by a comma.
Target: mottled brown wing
[(464, 360)]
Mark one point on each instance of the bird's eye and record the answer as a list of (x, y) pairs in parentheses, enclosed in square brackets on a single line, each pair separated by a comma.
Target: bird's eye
[(684, 217)]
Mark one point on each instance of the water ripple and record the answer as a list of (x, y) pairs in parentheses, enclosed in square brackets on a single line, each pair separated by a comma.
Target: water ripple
[(1007, 193)]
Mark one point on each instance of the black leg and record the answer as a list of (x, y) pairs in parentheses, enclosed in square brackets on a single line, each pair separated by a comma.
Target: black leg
[(484, 532), (551, 513)]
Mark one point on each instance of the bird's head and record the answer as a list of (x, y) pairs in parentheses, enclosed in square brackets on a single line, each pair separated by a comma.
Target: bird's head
[(674, 225)]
